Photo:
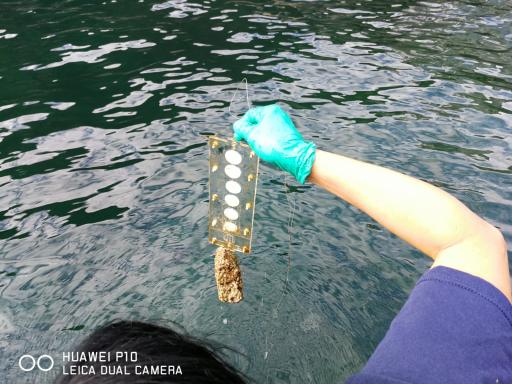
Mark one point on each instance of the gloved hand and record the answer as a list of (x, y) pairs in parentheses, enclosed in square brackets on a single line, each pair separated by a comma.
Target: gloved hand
[(272, 136)]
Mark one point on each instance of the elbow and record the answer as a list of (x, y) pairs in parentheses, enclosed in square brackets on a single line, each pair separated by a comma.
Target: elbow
[(497, 238), (491, 242), (482, 253), (482, 239)]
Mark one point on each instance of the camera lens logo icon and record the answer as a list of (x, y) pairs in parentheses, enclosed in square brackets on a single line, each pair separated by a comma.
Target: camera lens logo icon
[(28, 362)]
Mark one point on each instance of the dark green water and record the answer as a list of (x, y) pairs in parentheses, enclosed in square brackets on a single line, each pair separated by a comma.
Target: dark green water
[(104, 112)]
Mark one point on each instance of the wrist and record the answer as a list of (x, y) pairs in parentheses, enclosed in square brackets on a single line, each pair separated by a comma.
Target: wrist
[(304, 161)]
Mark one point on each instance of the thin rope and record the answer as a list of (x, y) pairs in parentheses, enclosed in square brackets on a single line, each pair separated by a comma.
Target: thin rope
[(291, 209), (249, 106), (292, 204)]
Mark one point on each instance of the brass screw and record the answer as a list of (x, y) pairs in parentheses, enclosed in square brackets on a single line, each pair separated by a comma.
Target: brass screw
[(215, 144), (245, 249), (215, 167), (214, 240), (246, 231), (214, 222), (215, 197), (250, 177), (248, 205)]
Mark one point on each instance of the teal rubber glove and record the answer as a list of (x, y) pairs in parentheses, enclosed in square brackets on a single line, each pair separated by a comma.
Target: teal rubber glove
[(272, 136)]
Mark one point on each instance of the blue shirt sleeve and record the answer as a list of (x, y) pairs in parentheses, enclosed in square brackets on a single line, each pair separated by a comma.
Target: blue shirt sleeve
[(454, 328)]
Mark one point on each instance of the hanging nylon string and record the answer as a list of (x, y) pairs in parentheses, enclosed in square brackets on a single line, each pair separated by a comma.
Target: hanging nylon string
[(291, 209), (249, 106)]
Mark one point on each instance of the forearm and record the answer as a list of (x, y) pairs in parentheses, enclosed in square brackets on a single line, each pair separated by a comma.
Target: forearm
[(424, 216)]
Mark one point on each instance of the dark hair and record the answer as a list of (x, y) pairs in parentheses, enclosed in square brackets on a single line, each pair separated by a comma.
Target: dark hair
[(155, 346)]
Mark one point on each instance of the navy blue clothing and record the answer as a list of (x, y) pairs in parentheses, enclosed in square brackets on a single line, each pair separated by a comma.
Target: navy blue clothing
[(454, 328)]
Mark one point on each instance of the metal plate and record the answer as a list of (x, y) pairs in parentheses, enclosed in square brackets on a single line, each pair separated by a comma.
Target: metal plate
[(233, 179)]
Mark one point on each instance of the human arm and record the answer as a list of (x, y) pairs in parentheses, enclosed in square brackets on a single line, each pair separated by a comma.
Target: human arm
[(423, 215)]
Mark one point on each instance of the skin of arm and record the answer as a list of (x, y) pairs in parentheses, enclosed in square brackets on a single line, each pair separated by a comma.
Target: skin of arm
[(424, 216)]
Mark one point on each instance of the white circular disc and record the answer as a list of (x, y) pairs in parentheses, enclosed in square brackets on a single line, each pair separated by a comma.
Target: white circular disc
[(233, 187), (232, 200), (233, 171), (229, 226), (233, 157), (231, 213)]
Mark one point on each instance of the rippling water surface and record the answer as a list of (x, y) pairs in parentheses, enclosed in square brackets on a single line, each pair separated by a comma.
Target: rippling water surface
[(105, 108)]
